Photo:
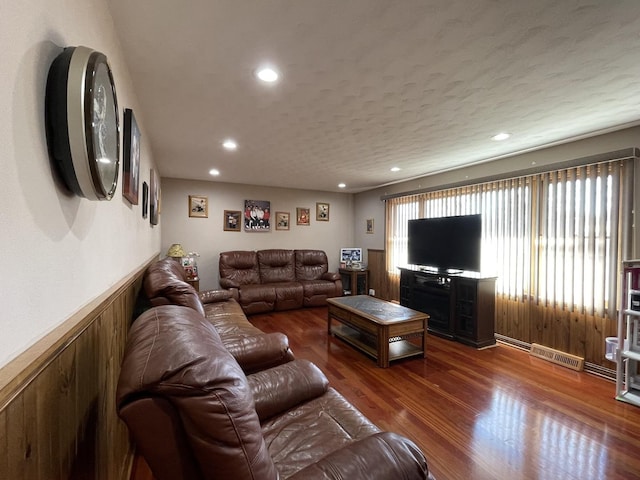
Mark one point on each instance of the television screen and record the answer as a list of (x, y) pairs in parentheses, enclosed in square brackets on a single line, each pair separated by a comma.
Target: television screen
[(446, 243)]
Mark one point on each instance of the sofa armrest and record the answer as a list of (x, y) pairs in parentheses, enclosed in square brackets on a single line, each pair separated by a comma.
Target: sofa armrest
[(381, 456), (213, 296), (280, 388), (331, 276), (259, 352), (227, 283)]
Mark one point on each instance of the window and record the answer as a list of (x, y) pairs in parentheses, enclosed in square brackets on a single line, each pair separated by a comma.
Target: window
[(550, 238)]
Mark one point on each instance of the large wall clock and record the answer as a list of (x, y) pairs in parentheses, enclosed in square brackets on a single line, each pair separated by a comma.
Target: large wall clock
[(81, 116)]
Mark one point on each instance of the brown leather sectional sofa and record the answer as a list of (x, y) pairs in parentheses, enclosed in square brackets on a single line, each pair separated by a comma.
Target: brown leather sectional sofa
[(278, 279), (165, 283), (208, 396), (194, 414)]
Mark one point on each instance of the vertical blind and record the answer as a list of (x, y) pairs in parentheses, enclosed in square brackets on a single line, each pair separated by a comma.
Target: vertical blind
[(551, 238)]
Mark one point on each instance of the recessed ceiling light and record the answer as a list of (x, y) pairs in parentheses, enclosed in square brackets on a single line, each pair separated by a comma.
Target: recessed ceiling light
[(342, 185), (395, 169), (230, 144), (500, 136), (267, 74), (214, 172)]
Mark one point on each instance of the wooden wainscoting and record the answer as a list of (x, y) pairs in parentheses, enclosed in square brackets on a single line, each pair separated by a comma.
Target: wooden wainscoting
[(57, 399), (378, 278)]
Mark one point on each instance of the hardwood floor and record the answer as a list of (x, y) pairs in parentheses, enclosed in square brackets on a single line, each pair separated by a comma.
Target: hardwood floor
[(478, 414)]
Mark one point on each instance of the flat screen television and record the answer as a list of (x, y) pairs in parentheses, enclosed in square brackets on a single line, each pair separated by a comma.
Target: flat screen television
[(446, 243)]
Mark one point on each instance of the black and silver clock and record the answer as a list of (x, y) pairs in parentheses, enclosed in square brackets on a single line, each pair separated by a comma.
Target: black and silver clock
[(81, 116)]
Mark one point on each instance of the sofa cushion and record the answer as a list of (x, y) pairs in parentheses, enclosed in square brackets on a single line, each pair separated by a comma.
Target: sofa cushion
[(276, 265), (316, 292), (257, 298), (289, 295), (239, 268), (174, 352), (314, 429), (310, 264)]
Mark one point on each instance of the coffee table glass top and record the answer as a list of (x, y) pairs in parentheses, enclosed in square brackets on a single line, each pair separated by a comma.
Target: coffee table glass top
[(379, 311)]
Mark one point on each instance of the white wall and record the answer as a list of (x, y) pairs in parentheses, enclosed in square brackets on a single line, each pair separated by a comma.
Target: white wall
[(207, 237), (59, 251)]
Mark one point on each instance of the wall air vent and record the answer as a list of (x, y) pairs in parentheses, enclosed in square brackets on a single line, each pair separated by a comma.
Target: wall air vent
[(557, 357)]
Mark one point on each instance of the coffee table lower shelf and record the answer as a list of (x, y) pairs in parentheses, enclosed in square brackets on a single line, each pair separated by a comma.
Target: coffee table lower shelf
[(367, 343)]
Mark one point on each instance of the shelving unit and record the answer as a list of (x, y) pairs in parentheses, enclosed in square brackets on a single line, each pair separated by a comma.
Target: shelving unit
[(628, 349)]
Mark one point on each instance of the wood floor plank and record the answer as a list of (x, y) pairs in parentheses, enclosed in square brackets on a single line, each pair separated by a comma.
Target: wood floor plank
[(478, 414)]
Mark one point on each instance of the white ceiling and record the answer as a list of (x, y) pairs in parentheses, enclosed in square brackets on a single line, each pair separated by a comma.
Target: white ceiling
[(370, 84)]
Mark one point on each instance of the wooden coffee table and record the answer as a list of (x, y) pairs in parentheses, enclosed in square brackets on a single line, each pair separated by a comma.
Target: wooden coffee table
[(384, 330)]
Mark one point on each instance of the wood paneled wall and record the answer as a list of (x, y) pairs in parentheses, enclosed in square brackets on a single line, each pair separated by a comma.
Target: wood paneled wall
[(577, 333), (377, 265), (57, 400)]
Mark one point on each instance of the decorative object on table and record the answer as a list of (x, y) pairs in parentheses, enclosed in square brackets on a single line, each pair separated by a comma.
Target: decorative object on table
[(145, 199), (176, 252), (282, 220), (154, 200), (322, 212), (257, 215), (190, 265), (131, 156), (82, 123), (232, 220), (198, 206), (369, 225), (303, 216)]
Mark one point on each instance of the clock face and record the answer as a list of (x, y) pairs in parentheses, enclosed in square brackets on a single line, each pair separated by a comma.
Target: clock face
[(104, 128), (82, 122)]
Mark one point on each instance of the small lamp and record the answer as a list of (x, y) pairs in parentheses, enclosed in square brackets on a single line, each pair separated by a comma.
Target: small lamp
[(176, 251)]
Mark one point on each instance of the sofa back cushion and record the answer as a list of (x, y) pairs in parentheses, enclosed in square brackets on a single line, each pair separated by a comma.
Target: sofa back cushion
[(241, 267), (276, 266), (165, 283), (311, 264), (175, 354)]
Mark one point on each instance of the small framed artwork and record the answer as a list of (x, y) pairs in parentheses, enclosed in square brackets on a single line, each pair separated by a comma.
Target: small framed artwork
[(322, 212), (282, 220), (198, 206), (232, 220), (131, 156), (369, 225), (145, 199), (302, 216), (154, 198), (257, 215)]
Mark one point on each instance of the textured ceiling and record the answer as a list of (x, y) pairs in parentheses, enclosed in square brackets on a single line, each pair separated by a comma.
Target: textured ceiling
[(370, 84)]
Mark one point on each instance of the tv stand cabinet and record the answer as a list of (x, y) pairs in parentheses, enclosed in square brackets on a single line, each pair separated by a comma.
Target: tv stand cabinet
[(460, 307)]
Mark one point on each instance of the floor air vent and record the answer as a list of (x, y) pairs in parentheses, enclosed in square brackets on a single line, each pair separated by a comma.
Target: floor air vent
[(558, 357)]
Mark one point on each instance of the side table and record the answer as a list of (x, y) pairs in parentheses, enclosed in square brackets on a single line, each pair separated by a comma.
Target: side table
[(195, 284), (355, 281)]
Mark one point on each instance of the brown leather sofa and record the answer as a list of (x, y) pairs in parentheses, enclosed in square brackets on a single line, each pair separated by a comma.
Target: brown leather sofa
[(164, 283), (278, 279), (194, 414)]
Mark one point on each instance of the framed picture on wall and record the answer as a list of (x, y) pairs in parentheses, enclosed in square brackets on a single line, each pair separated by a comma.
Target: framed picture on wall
[(282, 220), (322, 212), (131, 156), (369, 225), (154, 198), (232, 220), (145, 199), (303, 216), (198, 206), (257, 215)]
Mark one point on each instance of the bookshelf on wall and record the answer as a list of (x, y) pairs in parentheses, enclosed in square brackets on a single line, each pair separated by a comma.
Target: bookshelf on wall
[(628, 347)]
